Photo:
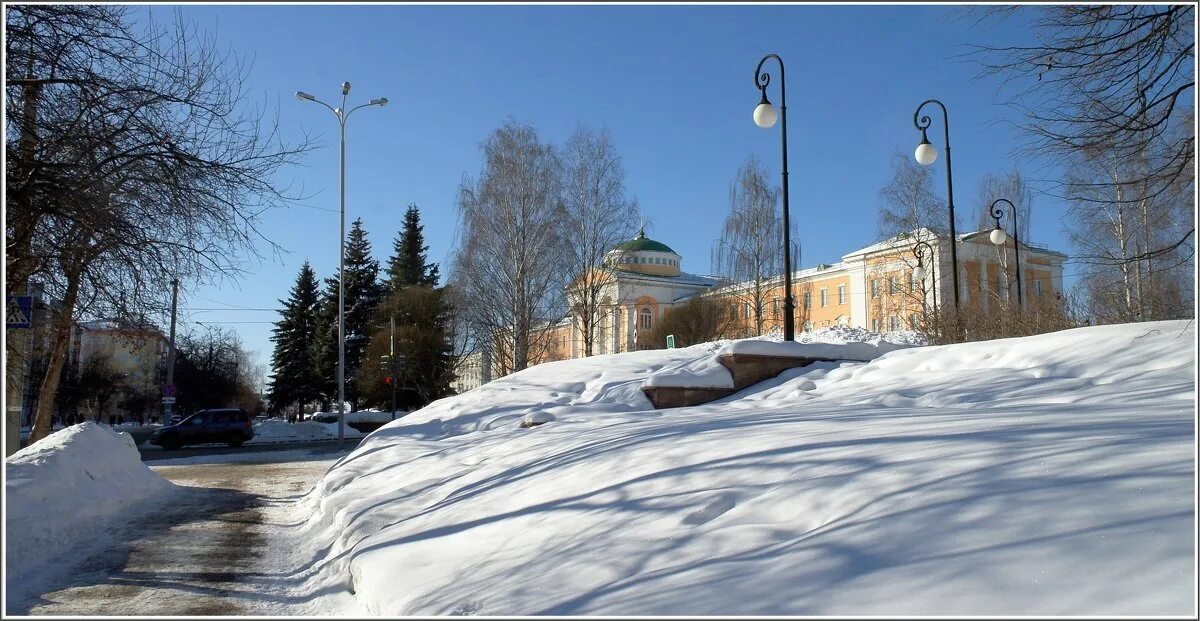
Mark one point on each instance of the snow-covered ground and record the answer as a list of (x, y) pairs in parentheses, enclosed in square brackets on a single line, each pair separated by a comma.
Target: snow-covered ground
[(64, 491), (1049, 475)]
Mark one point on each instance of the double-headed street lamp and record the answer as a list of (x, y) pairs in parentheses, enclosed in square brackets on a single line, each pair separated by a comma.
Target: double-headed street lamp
[(342, 115), (926, 154), (765, 116), (999, 236)]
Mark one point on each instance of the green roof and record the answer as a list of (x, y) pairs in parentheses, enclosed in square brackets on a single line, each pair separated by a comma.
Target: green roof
[(642, 243)]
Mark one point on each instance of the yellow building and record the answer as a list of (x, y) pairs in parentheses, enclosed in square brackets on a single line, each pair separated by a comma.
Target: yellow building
[(875, 288)]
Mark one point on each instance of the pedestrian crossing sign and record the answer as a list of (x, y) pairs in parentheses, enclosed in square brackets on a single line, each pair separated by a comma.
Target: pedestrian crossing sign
[(18, 311)]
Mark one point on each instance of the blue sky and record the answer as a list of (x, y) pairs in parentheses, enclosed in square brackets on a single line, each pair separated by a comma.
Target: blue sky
[(674, 84)]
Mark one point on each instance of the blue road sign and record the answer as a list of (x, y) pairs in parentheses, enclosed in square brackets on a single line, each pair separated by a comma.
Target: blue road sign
[(18, 311)]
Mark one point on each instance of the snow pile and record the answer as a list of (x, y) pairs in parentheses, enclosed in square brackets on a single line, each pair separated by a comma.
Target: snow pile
[(832, 343), (1051, 475), (63, 489), (275, 430)]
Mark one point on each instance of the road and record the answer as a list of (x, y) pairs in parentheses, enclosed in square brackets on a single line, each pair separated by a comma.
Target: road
[(211, 548), (153, 453)]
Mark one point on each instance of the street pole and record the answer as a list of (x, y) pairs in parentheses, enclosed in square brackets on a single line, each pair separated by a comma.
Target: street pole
[(166, 420), (392, 359), (923, 124), (761, 80), (997, 213), (342, 115)]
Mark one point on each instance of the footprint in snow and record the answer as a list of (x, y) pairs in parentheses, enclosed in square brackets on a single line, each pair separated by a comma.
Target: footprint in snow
[(714, 509), (466, 608)]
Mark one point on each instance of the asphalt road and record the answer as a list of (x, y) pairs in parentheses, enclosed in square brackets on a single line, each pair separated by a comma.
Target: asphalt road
[(150, 452), (210, 547)]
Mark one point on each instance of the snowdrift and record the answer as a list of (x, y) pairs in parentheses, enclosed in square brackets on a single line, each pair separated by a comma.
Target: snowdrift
[(65, 488), (1049, 475)]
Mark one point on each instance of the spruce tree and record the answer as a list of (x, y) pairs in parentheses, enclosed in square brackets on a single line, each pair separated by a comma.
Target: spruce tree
[(294, 380), (407, 266), (324, 347), (363, 293)]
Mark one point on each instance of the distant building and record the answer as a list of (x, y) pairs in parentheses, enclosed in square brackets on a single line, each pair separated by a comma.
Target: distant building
[(474, 370)]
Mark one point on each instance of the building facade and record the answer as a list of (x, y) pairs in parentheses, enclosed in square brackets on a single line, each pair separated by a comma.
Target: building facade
[(876, 288)]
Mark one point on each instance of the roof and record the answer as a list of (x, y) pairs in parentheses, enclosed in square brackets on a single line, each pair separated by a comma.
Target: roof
[(641, 242), (683, 278)]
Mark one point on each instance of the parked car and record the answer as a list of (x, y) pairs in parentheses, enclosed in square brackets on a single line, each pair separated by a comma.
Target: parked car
[(230, 426)]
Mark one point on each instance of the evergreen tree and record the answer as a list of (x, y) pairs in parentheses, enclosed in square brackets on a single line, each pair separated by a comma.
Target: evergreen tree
[(363, 293), (324, 346), (407, 265), (294, 379)]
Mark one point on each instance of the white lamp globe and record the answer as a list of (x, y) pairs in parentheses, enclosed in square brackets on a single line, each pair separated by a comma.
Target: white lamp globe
[(765, 115), (919, 273), (926, 154), (998, 237)]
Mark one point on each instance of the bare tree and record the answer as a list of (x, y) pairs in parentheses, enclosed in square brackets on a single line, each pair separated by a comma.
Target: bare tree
[(509, 263), (750, 250), (1118, 78), (135, 163), (911, 213), (599, 215), (1123, 230)]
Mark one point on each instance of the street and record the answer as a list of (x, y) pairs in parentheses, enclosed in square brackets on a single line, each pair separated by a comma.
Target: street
[(216, 546)]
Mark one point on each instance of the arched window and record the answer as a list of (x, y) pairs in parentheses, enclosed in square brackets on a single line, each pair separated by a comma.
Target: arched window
[(647, 318)]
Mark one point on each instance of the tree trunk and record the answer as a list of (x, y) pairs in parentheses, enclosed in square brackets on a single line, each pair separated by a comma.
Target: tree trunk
[(42, 421)]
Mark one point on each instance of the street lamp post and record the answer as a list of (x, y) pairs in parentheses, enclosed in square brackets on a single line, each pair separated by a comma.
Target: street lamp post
[(919, 274), (342, 115), (926, 155), (764, 116), (999, 236)]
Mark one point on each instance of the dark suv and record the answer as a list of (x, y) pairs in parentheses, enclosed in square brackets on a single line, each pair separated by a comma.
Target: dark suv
[(228, 425)]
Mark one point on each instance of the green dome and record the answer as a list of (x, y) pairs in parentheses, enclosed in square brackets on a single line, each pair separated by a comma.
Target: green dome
[(642, 243)]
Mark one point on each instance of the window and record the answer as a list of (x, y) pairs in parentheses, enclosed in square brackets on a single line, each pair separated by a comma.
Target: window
[(747, 310), (841, 294), (894, 323), (824, 297), (647, 318), (807, 299), (1037, 287), (875, 287), (913, 321), (775, 307), (912, 282), (893, 285), (875, 325)]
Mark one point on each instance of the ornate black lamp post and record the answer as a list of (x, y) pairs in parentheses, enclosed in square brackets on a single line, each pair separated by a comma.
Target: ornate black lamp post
[(926, 155), (764, 116), (342, 114), (999, 236), (919, 272)]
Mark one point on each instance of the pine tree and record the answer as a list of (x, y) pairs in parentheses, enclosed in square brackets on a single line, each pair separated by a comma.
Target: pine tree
[(407, 265), (294, 380)]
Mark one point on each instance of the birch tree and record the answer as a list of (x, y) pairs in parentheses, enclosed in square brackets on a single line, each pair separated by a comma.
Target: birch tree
[(599, 215), (750, 249), (509, 266)]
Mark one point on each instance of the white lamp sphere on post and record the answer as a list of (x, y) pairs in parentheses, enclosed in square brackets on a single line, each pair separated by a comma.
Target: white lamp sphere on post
[(926, 154), (765, 115), (998, 236), (919, 273)]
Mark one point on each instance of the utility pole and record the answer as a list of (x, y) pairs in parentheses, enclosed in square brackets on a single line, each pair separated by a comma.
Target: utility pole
[(392, 359), (170, 387)]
